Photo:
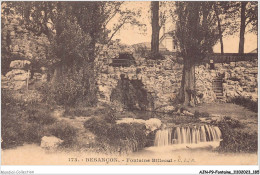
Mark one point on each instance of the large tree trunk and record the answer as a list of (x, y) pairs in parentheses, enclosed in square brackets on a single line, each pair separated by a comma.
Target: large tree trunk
[(155, 27), (242, 27), (90, 88), (187, 90), (89, 75), (219, 30)]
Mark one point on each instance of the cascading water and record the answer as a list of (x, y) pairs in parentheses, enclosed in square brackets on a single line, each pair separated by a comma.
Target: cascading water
[(187, 135)]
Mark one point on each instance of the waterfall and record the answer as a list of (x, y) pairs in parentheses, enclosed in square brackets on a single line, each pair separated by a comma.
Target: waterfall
[(187, 135)]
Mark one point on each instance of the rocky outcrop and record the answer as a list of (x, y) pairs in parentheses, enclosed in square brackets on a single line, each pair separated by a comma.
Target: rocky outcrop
[(159, 81), (239, 79), (151, 125), (162, 80), (17, 78)]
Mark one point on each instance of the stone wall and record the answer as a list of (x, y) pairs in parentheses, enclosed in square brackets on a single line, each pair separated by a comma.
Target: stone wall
[(240, 79), (162, 80)]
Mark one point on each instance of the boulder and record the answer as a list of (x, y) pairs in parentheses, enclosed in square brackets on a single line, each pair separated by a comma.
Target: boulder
[(50, 142), (153, 124), (20, 64)]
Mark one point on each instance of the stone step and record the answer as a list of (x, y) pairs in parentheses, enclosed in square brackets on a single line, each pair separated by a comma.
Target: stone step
[(218, 80), (218, 91), (219, 94), (217, 88)]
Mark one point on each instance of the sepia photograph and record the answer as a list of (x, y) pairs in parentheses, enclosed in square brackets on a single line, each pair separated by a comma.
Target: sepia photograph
[(129, 83)]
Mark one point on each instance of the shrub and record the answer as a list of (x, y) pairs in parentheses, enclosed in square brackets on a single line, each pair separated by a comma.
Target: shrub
[(232, 123), (97, 125), (235, 140), (11, 130), (64, 131), (66, 91), (22, 122), (39, 116), (33, 132), (178, 119), (117, 137), (198, 114), (246, 102)]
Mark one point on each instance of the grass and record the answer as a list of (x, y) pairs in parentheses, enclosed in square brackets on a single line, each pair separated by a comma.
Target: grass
[(245, 102), (24, 122), (179, 119), (198, 114)]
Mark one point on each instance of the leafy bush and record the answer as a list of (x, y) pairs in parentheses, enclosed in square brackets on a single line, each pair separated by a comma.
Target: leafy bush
[(235, 140), (66, 91), (11, 130), (64, 131), (178, 119), (22, 122), (97, 125), (117, 137), (246, 102), (198, 114), (232, 123), (39, 116)]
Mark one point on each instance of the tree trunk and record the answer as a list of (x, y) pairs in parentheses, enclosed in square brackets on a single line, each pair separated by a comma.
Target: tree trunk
[(187, 90), (89, 83), (89, 75), (219, 30), (155, 27), (242, 27)]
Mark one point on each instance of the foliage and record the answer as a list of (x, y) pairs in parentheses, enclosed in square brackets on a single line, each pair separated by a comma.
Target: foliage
[(232, 123), (67, 91), (198, 114), (23, 122), (196, 32), (196, 29), (179, 119), (235, 140), (64, 131), (117, 137), (231, 13), (141, 50), (246, 102)]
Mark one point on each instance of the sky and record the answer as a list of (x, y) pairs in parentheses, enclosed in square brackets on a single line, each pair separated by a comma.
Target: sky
[(132, 35)]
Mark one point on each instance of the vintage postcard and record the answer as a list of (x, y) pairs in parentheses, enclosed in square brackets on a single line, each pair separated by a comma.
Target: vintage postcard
[(129, 83)]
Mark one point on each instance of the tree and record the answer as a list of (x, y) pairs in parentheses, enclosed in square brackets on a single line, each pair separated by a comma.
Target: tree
[(155, 27), (196, 34), (239, 16), (242, 27), (5, 39), (248, 16), (220, 31), (74, 29)]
